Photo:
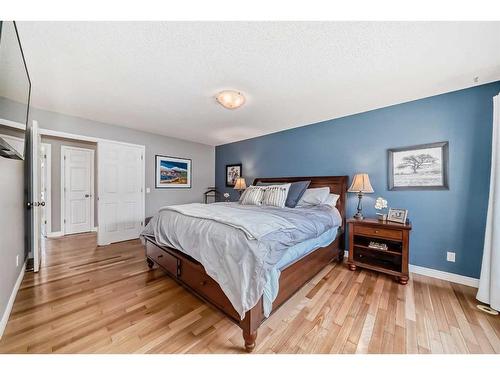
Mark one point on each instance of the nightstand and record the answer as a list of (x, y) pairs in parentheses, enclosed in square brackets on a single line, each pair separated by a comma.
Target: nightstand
[(379, 246)]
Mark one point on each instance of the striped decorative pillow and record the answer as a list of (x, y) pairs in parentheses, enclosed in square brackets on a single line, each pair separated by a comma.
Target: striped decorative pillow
[(252, 196), (275, 195)]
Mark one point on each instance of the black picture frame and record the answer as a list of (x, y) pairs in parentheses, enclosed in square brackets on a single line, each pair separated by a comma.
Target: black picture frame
[(188, 162), (228, 167), (443, 167)]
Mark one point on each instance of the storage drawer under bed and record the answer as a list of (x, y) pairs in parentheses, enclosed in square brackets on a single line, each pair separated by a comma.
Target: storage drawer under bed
[(193, 275), (167, 261)]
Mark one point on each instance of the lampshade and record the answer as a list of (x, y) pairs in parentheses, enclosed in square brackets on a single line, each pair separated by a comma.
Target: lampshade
[(230, 99), (361, 183), (240, 184)]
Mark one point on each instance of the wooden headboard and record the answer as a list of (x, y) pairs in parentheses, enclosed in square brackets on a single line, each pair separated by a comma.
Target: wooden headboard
[(337, 185)]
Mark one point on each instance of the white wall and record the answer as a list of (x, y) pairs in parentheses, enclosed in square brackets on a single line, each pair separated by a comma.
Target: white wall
[(11, 226)]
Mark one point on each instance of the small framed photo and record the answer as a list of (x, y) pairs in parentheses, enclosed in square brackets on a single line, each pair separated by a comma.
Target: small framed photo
[(172, 172), (233, 171), (421, 167), (397, 215)]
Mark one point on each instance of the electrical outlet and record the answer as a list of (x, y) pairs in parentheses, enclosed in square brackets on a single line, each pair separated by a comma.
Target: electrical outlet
[(450, 256), (148, 190), (17, 261)]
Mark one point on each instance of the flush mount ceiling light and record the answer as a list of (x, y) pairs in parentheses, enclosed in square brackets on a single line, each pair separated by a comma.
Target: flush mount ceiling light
[(230, 99)]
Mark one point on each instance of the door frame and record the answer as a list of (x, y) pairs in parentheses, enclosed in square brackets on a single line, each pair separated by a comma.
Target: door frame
[(63, 180), (35, 250), (48, 186), (79, 137)]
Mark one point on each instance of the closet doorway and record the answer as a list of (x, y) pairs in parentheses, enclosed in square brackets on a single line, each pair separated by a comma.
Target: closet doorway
[(77, 190)]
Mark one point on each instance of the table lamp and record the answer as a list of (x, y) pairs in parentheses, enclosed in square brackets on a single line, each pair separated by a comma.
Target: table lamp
[(360, 185), (240, 185)]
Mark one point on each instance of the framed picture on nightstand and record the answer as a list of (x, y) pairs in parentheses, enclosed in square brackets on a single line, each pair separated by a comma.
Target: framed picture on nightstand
[(397, 215)]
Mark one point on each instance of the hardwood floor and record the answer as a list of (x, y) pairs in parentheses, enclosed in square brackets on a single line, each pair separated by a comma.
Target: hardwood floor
[(89, 299)]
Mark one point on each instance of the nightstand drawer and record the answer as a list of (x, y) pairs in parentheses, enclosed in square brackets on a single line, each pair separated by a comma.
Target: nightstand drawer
[(378, 232)]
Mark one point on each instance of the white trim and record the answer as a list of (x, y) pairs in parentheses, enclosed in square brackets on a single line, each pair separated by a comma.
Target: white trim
[(10, 304), (95, 229), (143, 187), (55, 133), (12, 124), (442, 275), (55, 234), (35, 233), (64, 148), (62, 194), (48, 186)]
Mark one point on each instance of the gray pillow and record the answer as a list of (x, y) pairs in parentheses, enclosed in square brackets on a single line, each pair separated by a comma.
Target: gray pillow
[(296, 191)]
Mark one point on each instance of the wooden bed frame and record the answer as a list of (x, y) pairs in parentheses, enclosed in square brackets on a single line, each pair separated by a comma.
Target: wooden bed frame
[(191, 274)]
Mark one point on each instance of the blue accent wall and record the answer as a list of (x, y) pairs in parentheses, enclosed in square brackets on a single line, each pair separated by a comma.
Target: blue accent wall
[(443, 220)]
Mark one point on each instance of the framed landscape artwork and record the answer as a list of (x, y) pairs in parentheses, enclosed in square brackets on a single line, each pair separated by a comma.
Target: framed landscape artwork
[(233, 171), (422, 167), (172, 172)]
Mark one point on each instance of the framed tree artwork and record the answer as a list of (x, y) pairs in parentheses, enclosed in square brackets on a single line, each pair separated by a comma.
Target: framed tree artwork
[(421, 167), (233, 171)]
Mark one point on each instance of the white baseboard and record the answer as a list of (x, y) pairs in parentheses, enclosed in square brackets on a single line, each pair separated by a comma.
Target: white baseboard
[(55, 234), (442, 275), (10, 304), (448, 276), (61, 234)]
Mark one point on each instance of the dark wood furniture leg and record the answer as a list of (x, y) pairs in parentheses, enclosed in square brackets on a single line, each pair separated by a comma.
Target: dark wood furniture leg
[(403, 280), (250, 324), (250, 338)]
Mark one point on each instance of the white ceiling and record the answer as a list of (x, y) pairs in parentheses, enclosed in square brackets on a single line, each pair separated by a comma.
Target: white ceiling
[(161, 77)]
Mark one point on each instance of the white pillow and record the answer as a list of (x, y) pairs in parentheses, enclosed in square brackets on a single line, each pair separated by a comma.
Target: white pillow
[(331, 200), (313, 197), (275, 195), (252, 196)]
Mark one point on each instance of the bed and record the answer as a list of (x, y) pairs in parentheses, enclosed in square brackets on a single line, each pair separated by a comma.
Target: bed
[(248, 294)]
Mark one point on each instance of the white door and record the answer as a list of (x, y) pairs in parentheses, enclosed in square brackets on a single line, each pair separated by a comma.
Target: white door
[(120, 191), (77, 181), (45, 189), (35, 198)]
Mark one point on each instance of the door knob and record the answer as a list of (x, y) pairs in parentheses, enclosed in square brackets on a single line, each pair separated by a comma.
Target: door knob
[(87, 195), (42, 204)]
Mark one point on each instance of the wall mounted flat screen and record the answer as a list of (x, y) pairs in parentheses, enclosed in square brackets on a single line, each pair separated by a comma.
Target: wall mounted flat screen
[(15, 86)]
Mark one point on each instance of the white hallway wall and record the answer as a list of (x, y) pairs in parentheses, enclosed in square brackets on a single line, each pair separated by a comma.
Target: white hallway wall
[(11, 231)]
